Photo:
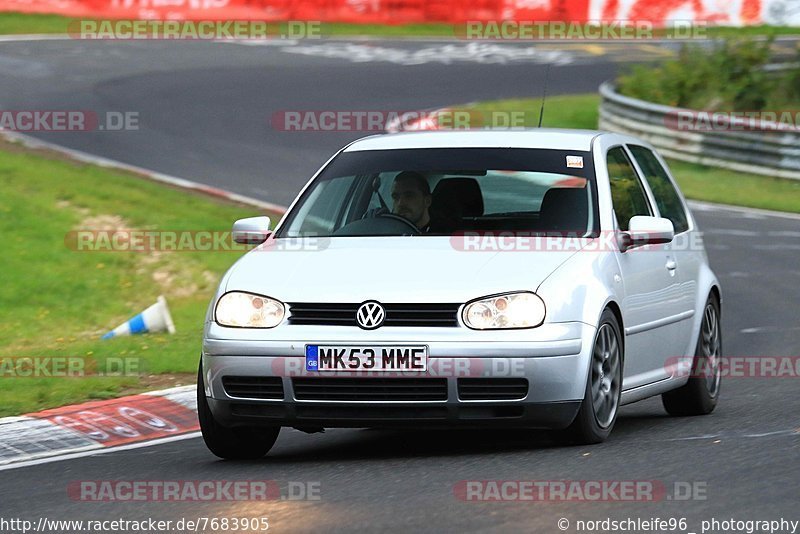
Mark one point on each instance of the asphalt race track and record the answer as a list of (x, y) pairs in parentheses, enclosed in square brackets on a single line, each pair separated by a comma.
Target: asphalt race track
[(205, 113), (205, 108)]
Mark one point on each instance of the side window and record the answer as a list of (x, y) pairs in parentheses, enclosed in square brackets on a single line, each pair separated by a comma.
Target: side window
[(667, 199), (626, 191)]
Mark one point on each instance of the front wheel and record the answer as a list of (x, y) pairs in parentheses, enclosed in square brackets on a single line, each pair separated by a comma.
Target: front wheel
[(236, 443), (700, 394), (598, 411)]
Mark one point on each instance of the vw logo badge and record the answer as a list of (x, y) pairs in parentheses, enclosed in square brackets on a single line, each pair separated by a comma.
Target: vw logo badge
[(370, 315)]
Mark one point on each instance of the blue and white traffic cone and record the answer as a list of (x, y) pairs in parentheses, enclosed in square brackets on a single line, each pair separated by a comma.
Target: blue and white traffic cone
[(156, 318)]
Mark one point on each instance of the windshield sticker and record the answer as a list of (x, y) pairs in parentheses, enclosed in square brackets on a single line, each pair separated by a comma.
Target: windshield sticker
[(575, 162)]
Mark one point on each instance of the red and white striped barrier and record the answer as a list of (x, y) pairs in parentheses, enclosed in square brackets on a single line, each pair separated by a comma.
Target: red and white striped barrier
[(658, 12)]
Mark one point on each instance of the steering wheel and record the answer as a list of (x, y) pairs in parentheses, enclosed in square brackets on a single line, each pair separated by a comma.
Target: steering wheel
[(400, 218)]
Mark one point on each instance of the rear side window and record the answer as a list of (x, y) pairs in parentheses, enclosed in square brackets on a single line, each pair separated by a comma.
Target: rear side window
[(667, 199), (627, 193)]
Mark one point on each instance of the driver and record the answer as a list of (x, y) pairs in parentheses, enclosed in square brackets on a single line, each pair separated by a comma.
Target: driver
[(411, 198)]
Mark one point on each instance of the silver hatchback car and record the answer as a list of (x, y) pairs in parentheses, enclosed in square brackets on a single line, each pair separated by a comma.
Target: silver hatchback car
[(538, 278)]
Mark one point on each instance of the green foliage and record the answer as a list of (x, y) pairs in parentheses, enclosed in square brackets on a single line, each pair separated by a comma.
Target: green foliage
[(728, 75)]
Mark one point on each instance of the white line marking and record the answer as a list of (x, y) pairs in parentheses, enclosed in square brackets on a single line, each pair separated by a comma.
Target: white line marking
[(737, 274), (35, 37), (19, 452), (50, 455), (777, 247), (775, 433), (691, 438), (475, 52), (170, 391), (731, 231), (183, 183), (72, 456), (258, 42), (793, 432), (767, 329), (708, 206), (783, 233), (15, 419)]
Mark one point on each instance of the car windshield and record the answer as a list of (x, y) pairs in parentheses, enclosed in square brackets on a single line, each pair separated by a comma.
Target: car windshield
[(448, 191)]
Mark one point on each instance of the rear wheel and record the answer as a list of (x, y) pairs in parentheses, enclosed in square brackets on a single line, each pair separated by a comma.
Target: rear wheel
[(231, 443), (598, 411), (700, 394)]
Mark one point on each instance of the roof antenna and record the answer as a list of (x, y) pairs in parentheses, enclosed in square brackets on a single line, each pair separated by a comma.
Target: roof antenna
[(544, 95)]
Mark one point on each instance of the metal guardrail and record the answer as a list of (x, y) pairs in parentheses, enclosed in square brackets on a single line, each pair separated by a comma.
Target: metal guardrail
[(773, 150)]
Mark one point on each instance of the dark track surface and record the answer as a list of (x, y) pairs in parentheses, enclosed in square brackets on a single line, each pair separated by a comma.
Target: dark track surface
[(205, 109)]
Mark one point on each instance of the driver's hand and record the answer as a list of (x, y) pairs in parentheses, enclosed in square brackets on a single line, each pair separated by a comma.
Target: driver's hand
[(375, 212)]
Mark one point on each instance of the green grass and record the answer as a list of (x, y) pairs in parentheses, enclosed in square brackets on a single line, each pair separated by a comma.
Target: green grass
[(698, 182), (23, 23), (19, 23), (57, 302)]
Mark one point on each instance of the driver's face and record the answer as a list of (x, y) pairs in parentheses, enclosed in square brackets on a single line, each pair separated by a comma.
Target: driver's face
[(410, 202)]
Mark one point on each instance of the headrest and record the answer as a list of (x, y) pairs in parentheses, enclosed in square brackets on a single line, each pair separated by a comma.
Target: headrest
[(462, 192), (564, 210)]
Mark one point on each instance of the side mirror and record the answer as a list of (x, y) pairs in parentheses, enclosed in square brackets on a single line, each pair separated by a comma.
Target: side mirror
[(251, 231), (643, 230)]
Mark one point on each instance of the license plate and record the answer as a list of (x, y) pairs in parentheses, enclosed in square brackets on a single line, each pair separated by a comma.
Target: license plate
[(412, 358)]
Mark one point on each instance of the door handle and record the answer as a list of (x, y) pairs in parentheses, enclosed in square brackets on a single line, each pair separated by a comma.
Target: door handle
[(671, 265)]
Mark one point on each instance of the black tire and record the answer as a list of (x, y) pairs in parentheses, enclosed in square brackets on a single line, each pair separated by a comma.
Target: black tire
[(700, 394), (237, 443), (587, 428)]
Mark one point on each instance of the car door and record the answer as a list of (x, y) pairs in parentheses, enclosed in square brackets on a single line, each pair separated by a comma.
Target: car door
[(685, 246), (649, 279)]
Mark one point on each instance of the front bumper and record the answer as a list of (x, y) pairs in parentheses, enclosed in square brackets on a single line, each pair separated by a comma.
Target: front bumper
[(550, 415), (554, 360)]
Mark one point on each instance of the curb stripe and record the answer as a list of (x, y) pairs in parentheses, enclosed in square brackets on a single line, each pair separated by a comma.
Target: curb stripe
[(183, 183), (98, 425), (71, 455)]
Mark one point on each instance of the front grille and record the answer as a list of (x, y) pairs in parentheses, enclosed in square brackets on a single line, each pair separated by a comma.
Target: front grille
[(492, 388), (370, 389), (253, 387), (333, 314)]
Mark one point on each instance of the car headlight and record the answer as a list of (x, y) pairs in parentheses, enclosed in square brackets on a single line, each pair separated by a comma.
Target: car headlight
[(511, 310), (248, 311)]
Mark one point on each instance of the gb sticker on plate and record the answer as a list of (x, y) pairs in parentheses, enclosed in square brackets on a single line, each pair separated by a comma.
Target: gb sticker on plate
[(574, 162)]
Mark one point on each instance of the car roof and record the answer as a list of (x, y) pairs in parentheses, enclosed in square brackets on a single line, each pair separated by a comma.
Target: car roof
[(543, 138)]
